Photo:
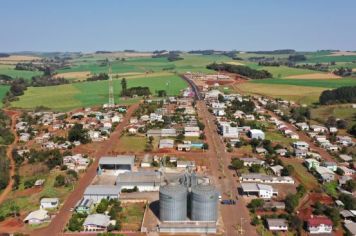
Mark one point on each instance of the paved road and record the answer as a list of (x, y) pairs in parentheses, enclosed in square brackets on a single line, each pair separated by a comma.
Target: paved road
[(58, 224), (13, 116), (232, 215)]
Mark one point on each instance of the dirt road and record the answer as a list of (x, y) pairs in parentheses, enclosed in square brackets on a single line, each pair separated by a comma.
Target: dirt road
[(235, 217), (57, 225), (13, 115)]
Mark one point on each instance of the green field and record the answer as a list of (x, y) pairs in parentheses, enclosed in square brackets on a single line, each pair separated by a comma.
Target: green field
[(191, 62), (10, 71), (3, 91), (323, 83), (70, 96)]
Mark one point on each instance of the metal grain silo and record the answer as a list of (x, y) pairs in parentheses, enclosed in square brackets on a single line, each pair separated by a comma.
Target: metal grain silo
[(204, 203), (173, 202)]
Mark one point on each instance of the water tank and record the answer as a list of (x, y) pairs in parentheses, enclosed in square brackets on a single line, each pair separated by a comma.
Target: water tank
[(173, 202), (204, 203)]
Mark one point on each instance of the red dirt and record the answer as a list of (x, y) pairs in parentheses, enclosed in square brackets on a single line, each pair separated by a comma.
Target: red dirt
[(27, 192)]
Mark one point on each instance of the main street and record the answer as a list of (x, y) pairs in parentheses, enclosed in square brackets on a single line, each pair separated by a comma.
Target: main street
[(236, 218)]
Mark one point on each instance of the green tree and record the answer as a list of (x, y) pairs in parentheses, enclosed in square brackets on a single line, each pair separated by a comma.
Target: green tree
[(102, 206), (237, 164), (59, 181), (123, 86)]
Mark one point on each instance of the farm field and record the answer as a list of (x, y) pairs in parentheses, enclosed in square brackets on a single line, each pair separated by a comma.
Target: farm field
[(300, 94), (70, 96), (191, 62), (323, 83), (10, 71)]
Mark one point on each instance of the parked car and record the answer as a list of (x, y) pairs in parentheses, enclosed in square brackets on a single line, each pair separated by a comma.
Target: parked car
[(228, 202)]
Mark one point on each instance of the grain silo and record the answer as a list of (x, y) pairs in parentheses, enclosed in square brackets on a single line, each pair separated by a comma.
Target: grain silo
[(173, 202), (204, 203)]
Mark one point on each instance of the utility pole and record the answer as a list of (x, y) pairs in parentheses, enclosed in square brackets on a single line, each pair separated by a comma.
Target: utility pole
[(111, 88)]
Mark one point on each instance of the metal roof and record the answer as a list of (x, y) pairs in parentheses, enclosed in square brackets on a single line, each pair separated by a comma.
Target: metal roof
[(102, 190), (97, 219), (143, 177), (277, 222), (117, 160)]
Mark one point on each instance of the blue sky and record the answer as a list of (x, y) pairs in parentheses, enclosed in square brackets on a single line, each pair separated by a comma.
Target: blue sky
[(88, 25)]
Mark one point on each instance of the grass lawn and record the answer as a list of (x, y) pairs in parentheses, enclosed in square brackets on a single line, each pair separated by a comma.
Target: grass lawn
[(331, 188), (301, 174), (300, 94), (132, 215), (70, 96), (132, 143), (10, 71), (341, 111), (278, 137)]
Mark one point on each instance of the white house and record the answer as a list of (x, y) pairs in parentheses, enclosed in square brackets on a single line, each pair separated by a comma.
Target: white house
[(300, 145), (37, 217), (277, 224), (318, 128), (347, 171), (248, 161), (230, 132), (191, 131), (320, 225), (96, 222), (256, 134), (49, 203), (302, 126)]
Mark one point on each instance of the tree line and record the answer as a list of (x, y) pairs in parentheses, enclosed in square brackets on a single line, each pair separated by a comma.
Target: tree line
[(133, 91), (338, 95), (241, 70)]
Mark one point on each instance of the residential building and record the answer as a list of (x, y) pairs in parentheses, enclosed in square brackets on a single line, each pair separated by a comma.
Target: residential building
[(96, 222), (37, 217), (166, 143), (347, 171), (320, 225), (191, 131), (276, 169), (311, 163), (256, 134), (49, 203), (84, 206), (330, 165), (325, 174), (249, 161), (277, 224), (300, 145)]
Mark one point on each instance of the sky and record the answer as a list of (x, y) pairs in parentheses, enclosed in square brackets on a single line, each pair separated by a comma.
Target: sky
[(88, 25)]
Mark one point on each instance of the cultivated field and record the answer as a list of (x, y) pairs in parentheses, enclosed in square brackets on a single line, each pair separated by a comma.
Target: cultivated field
[(10, 71), (315, 76), (300, 94), (70, 96), (13, 59)]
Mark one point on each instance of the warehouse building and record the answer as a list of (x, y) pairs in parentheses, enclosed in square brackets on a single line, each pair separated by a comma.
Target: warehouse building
[(261, 190), (144, 180), (98, 192), (116, 164)]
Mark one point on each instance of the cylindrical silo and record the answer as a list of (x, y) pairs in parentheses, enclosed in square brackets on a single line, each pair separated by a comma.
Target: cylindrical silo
[(204, 203), (173, 202)]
